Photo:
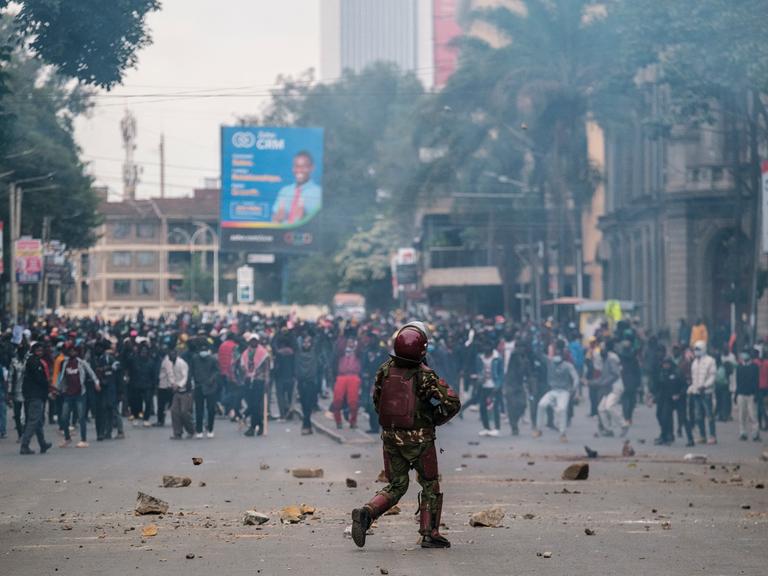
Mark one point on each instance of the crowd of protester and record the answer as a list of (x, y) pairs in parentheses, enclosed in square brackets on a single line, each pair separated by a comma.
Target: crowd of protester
[(252, 369)]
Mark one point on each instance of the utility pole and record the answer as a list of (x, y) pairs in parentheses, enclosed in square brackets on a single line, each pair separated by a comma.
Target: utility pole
[(162, 165), (12, 235)]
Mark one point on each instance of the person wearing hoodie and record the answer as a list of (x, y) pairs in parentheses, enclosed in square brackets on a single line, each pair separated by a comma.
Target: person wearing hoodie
[(306, 378), (204, 370), (701, 391), (562, 379), (72, 388), (35, 390)]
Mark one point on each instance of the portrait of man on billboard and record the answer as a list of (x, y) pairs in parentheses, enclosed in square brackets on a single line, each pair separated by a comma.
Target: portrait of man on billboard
[(302, 199)]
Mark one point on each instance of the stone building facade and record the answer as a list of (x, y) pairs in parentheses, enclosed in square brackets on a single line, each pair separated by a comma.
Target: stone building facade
[(677, 225)]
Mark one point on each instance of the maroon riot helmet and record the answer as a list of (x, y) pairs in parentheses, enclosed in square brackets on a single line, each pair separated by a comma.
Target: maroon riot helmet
[(411, 342)]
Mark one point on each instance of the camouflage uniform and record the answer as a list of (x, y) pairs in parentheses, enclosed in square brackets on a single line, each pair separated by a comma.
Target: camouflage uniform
[(414, 448)]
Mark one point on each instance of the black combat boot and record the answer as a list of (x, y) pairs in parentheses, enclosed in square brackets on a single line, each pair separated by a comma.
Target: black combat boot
[(363, 517), (429, 525)]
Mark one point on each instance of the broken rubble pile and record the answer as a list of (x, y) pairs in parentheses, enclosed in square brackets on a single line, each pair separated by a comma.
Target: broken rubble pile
[(146, 504), (491, 518), (579, 471), (176, 481)]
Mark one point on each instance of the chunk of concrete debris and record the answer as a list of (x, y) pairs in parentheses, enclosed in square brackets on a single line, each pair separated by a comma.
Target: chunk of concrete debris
[(146, 504), (490, 518), (578, 471), (307, 509), (307, 472), (149, 531), (263, 466), (291, 515), (695, 458), (547, 554), (190, 556), (197, 460), (176, 481), (351, 483), (383, 571), (253, 518)]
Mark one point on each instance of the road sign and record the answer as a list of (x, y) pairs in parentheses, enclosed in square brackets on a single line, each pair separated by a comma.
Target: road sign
[(245, 285)]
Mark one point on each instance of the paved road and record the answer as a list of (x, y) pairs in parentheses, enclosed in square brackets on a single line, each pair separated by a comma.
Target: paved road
[(71, 511)]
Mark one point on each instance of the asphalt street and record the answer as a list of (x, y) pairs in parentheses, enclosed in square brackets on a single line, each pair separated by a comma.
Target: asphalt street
[(71, 511)]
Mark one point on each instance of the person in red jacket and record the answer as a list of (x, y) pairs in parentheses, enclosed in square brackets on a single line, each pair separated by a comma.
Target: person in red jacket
[(226, 358), (348, 368), (762, 391)]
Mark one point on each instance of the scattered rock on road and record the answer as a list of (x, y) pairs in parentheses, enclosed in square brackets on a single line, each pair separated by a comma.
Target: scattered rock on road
[(291, 515), (355, 456), (764, 456), (491, 518), (351, 483), (547, 555), (627, 451), (383, 571), (529, 516), (696, 458), (589, 532), (590, 453), (579, 471), (190, 556), (176, 481), (666, 525), (197, 460), (146, 504), (307, 472), (149, 530), (307, 509), (253, 518)]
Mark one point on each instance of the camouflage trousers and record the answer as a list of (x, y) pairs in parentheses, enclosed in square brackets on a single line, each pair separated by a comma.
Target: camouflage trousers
[(400, 459)]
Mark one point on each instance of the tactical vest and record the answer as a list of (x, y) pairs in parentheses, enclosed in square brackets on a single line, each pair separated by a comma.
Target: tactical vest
[(398, 402)]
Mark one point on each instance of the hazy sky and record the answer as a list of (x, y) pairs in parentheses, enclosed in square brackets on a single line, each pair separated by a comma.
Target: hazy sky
[(203, 47)]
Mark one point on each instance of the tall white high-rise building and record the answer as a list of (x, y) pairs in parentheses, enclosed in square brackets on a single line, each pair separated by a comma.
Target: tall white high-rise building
[(357, 33)]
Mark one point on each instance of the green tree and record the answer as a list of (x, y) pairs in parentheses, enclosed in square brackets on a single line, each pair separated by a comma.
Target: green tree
[(197, 282), (40, 140), (90, 40), (370, 167)]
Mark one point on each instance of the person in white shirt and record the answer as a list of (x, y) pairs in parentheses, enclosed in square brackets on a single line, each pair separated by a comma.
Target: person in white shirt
[(701, 392)]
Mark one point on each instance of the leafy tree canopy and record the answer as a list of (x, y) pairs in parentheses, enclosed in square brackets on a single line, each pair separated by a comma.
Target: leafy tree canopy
[(91, 40)]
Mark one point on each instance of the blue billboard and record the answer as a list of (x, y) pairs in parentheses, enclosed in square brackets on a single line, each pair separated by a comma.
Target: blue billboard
[(271, 188)]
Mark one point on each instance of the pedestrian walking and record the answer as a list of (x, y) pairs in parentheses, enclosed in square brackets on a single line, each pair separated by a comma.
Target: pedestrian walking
[(72, 387), (347, 386), (35, 391)]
